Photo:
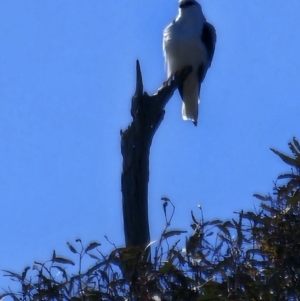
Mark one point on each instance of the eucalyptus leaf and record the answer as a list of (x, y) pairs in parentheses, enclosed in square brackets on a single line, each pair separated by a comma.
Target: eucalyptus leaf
[(63, 260), (92, 246), (72, 248)]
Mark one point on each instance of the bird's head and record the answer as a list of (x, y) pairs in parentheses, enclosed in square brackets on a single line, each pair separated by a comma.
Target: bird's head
[(187, 3), (189, 8)]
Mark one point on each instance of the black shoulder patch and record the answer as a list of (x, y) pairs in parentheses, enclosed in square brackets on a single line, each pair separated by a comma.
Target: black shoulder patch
[(209, 39)]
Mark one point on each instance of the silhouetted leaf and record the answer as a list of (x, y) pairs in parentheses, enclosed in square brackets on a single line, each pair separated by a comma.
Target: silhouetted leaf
[(172, 233), (25, 273), (294, 150), (262, 197), (165, 208), (256, 218), (228, 224), (72, 248), (177, 255), (224, 229), (288, 160), (63, 260), (297, 144), (93, 256), (193, 218), (213, 222), (12, 274), (224, 239), (38, 263), (286, 176), (165, 199), (104, 276), (267, 208), (218, 248), (92, 246), (95, 268)]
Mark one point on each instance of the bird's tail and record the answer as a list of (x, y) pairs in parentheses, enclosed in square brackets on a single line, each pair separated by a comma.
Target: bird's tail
[(190, 97)]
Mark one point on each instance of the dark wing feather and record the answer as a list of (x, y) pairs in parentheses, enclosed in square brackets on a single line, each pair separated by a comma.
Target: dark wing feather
[(209, 38)]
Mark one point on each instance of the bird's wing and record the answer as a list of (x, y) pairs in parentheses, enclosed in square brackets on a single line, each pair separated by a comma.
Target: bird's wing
[(209, 38)]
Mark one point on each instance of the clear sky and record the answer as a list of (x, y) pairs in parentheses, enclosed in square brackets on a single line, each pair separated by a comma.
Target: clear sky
[(67, 75)]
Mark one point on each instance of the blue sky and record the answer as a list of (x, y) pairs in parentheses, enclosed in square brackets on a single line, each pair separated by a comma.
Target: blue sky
[(67, 75)]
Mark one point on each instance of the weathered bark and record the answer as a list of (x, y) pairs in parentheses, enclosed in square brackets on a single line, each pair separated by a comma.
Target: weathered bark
[(147, 113)]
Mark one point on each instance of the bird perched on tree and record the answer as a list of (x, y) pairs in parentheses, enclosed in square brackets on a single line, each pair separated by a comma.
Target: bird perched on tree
[(189, 41)]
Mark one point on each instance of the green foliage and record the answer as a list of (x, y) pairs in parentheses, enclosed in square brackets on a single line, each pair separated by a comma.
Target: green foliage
[(254, 256)]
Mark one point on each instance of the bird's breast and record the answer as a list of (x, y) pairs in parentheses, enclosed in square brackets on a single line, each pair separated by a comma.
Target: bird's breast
[(182, 51)]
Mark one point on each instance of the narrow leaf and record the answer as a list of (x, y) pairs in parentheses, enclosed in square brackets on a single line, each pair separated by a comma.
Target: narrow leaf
[(193, 218), (165, 199), (104, 276), (218, 248), (287, 176), (95, 267), (297, 144), (25, 272), (93, 256), (72, 248), (294, 150), (165, 208), (214, 222), (12, 274), (262, 197), (92, 246), (63, 260), (288, 160), (172, 233), (268, 208), (224, 230)]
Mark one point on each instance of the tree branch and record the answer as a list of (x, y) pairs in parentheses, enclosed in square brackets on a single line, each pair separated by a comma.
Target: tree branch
[(147, 113)]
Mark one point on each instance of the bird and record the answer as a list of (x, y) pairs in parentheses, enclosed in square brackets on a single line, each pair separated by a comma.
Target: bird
[(189, 41)]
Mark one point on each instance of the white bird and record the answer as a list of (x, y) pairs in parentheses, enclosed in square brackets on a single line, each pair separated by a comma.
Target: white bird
[(189, 41)]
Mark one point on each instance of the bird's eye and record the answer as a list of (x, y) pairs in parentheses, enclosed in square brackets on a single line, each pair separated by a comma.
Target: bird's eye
[(187, 4)]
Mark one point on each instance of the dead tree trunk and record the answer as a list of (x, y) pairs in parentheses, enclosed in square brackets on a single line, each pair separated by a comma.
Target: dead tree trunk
[(147, 113)]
